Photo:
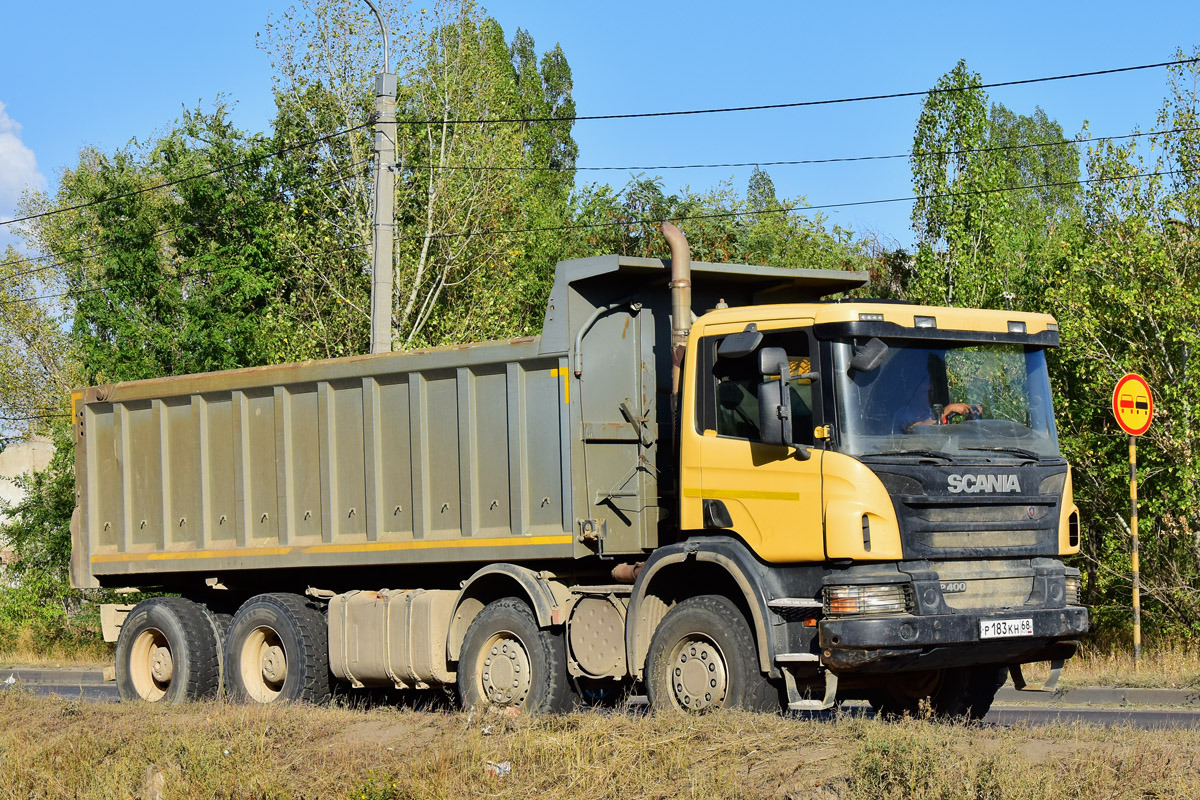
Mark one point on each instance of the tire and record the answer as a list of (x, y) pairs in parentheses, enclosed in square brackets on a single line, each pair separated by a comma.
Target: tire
[(950, 693), (220, 625), (277, 650), (168, 652), (507, 661), (703, 658)]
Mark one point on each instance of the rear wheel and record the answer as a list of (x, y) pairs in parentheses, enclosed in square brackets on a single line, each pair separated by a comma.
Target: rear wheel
[(167, 652), (703, 657), (507, 661), (277, 649), (951, 692)]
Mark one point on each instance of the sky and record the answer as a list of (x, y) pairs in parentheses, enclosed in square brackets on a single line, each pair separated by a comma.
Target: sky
[(75, 74)]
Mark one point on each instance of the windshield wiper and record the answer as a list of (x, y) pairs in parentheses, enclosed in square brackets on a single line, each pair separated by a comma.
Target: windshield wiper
[(926, 453), (1020, 451)]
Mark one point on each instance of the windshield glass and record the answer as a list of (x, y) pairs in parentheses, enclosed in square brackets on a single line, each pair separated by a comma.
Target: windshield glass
[(969, 401)]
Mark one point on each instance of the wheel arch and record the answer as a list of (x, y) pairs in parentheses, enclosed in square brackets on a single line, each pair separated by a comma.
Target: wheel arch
[(719, 566), (545, 597)]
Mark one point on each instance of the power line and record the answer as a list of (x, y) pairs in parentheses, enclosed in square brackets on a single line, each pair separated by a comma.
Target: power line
[(802, 209), (834, 160), (638, 115), (809, 103), (108, 247), (186, 178), (652, 221), (178, 276)]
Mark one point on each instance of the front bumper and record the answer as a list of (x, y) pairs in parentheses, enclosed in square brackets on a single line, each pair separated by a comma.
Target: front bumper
[(904, 642)]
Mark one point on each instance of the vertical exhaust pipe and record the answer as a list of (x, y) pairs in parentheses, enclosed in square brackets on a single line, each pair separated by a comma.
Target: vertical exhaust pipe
[(681, 303)]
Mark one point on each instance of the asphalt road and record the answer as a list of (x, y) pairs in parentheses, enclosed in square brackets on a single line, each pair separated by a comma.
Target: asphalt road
[(1139, 708)]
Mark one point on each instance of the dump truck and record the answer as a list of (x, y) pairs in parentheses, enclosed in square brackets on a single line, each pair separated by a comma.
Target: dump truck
[(728, 485)]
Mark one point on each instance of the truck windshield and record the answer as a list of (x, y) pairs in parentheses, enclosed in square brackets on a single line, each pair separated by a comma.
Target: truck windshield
[(961, 400)]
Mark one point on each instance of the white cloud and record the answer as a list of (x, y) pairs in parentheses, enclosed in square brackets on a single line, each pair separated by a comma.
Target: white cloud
[(18, 164)]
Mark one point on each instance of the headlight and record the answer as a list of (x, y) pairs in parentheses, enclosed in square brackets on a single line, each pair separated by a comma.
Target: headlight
[(1072, 590), (889, 598)]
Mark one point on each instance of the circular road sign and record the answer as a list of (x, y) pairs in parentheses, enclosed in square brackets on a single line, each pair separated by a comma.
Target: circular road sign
[(1132, 404)]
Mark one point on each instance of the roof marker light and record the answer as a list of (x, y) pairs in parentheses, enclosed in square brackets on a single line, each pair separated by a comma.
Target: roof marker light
[(864, 317)]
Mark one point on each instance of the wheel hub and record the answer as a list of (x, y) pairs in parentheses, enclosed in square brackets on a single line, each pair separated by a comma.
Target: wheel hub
[(274, 665), (699, 678), (161, 665), (506, 673)]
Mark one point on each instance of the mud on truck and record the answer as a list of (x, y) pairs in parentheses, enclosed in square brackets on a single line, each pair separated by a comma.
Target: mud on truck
[(783, 501)]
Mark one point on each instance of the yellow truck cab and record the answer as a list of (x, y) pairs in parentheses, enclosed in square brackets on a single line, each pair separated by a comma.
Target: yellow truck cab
[(914, 466)]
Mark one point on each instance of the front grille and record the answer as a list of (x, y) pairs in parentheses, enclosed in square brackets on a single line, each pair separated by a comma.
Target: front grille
[(937, 522), (998, 585)]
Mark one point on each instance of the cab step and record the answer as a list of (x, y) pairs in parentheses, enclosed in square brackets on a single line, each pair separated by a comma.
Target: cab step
[(798, 703)]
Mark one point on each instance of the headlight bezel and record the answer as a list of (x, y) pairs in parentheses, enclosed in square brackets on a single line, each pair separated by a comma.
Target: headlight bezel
[(862, 599), (1071, 589)]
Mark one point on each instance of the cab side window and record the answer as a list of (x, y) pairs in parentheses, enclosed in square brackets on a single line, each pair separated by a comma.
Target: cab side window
[(734, 387)]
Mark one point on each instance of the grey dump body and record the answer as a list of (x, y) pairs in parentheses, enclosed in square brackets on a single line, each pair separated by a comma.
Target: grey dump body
[(549, 447)]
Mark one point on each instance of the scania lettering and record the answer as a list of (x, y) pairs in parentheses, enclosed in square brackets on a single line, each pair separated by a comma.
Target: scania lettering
[(704, 481), (982, 483)]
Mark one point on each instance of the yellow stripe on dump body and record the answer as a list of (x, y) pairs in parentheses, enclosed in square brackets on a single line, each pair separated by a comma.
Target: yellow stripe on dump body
[(318, 549)]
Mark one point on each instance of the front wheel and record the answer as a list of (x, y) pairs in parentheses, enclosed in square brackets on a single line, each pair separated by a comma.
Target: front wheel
[(507, 661), (167, 652), (703, 657), (277, 650)]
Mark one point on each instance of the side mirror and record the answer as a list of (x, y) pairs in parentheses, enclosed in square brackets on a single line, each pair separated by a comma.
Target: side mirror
[(869, 356), (774, 400), (739, 345)]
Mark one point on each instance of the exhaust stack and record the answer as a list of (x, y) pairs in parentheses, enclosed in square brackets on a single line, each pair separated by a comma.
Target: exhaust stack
[(681, 301)]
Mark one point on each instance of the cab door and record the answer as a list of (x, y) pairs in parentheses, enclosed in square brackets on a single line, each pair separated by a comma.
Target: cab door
[(765, 494)]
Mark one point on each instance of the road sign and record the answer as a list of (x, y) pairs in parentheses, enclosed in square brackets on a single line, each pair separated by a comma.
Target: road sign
[(1133, 405)]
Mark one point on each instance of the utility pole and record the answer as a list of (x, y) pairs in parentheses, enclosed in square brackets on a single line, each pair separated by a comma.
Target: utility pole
[(385, 183)]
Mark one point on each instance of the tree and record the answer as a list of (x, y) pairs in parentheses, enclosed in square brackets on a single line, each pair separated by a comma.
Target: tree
[(1125, 293), (720, 224), (466, 187), (982, 237), (37, 369)]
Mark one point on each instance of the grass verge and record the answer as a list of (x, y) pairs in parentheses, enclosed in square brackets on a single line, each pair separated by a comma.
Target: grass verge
[(52, 748)]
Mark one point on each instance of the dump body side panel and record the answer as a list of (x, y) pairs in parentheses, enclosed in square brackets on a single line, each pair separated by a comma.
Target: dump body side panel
[(454, 454)]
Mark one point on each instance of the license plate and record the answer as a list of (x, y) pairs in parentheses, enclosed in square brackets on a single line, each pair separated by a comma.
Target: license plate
[(1003, 628)]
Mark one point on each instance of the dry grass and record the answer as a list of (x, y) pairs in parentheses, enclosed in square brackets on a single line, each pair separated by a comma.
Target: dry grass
[(52, 748), (27, 651), (1174, 666)]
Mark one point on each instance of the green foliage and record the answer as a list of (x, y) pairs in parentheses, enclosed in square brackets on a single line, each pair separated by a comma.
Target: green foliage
[(1127, 299), (36, 596), (1118, 263), (721, 226), (38, 528), (983, 239)]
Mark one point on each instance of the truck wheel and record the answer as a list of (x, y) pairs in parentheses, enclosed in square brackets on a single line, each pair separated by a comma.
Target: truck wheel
[(952, 692), (167, 652), (507, 661), (703, 657), (277, 649)]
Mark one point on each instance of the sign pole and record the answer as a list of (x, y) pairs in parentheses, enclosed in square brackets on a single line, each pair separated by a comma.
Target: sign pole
[(1133, 528), (1133, 406)]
